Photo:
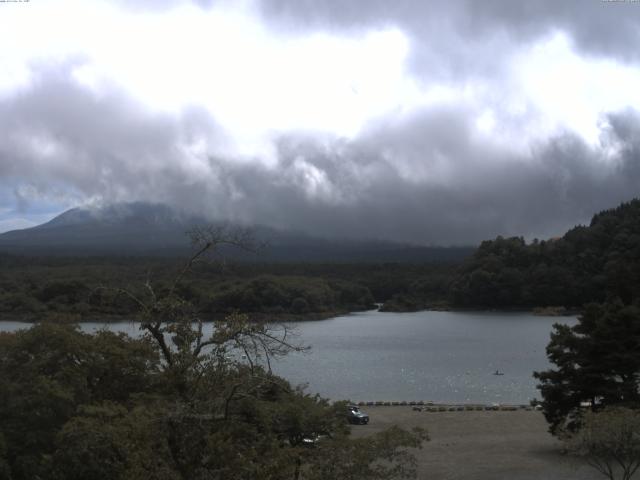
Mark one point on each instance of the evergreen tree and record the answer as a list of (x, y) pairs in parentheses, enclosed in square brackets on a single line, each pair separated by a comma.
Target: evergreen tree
[(597, 364)]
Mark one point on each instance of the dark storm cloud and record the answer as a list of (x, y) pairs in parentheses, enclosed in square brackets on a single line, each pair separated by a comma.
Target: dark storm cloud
[(60, 138), (486, 191), (422, 178)]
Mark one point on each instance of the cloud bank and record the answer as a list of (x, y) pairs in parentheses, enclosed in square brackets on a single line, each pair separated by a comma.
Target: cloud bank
[(471, 122)]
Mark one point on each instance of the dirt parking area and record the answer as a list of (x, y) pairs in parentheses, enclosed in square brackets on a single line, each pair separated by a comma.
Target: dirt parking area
[(482, 445)]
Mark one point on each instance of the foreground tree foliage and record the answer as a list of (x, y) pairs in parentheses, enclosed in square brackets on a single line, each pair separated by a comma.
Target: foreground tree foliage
[(48, 372), (598, 364), (609, 441), (187, 401)]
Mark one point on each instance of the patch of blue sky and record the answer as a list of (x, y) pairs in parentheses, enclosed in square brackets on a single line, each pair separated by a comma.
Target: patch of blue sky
[(18, 211)]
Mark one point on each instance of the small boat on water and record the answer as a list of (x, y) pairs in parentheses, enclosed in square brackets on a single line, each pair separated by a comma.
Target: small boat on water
[(498, 372)]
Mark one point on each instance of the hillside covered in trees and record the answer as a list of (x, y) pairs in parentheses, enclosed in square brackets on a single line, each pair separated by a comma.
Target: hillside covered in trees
[(588, 264)]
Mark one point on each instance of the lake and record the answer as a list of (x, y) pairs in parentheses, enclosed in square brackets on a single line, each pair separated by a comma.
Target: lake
[(447, 357)]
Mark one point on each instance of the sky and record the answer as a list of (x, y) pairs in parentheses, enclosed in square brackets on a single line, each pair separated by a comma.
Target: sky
[(419, 121)]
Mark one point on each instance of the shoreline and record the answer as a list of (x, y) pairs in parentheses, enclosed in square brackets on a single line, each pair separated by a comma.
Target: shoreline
[(71, 318), (551, 311), (435, 407)]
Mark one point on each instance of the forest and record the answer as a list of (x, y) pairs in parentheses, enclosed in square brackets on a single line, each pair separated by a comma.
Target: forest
[(68, 289), (591, 263)]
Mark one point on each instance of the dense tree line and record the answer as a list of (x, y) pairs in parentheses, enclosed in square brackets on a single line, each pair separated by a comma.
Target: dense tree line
[(425, 292), (77, 289), (594, 263), (588, 264)]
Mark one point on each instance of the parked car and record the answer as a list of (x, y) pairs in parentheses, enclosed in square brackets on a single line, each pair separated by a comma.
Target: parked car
[(356, 416)]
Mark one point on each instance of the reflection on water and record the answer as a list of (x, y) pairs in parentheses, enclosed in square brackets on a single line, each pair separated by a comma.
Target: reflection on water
[(430, 356)]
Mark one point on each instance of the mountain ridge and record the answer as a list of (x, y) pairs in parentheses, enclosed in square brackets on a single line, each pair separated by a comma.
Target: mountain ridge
[(143, 229)]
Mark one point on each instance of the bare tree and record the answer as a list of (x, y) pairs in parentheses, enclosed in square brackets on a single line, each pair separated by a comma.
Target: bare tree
[(609, 440), (176, 327)]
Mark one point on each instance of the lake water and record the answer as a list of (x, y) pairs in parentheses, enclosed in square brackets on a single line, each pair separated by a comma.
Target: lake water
[(447, 357)]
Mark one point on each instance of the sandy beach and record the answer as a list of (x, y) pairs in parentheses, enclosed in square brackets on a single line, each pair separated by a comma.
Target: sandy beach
[(482, 445)]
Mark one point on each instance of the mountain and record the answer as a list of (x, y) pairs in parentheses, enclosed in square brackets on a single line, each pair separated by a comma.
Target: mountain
[(125, 228), (142, 229)]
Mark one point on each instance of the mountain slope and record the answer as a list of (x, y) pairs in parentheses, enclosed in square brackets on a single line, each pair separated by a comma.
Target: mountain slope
[(134, 227), (145, 229)]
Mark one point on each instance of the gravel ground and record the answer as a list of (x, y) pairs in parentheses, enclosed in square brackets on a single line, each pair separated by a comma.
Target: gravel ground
[(486, 445)]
